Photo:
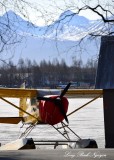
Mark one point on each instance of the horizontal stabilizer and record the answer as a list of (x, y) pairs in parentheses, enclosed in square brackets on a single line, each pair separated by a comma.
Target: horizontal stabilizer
[(10, 120)]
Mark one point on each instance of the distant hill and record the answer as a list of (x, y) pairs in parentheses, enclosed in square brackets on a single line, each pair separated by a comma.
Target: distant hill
[(59, 40)]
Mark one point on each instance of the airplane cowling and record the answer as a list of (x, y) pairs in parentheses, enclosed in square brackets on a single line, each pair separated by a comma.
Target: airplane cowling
[(50, 112)]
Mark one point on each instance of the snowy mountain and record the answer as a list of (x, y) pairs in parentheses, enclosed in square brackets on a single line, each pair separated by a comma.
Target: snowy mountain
[(18, 24), (58, 40), (73, 19), (69, 26)]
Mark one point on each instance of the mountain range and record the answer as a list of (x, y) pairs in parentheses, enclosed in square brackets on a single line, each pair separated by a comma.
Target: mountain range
[(59, 40)]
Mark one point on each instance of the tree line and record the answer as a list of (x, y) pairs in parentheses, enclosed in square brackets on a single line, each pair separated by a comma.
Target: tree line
[(47, 74)]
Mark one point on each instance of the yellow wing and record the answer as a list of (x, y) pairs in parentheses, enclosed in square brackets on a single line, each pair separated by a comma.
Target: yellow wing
[(18, 92), (30, 93)]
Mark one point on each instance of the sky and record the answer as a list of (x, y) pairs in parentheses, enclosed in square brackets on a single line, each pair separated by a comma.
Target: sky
[(55, 7), (44, 12)]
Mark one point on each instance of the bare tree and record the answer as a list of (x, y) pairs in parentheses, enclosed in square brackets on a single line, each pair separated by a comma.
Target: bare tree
[(8, 29), (103, 9), (103, 26), (10, 24)]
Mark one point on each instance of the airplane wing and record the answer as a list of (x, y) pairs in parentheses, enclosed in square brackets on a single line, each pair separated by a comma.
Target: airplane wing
[(18, 92), (30, 93)]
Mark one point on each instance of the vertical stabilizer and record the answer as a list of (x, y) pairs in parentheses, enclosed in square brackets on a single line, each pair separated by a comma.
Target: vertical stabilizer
[(23, 104)]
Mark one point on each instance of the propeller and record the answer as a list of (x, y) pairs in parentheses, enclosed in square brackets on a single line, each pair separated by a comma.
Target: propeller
[(65, 90), (58, 101)]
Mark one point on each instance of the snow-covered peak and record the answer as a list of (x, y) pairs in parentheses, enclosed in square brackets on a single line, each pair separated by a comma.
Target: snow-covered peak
[(71, 18), (69, 26)]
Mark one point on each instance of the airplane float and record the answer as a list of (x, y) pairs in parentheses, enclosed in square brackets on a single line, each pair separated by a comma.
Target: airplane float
[(47, 107)]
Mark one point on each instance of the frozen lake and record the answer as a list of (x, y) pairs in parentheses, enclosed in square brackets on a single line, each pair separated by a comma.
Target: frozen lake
[(87, 122)]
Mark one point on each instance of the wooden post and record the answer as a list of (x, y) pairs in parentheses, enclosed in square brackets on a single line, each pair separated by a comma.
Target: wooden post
[(105, 81), (108, 100)]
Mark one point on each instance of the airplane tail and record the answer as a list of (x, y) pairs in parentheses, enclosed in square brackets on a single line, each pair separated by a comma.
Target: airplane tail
[(28, 113), (22, 103), (29, 108)]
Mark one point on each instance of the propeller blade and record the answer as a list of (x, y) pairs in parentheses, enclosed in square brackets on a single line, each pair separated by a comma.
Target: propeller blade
[(58, 102), (65, 90)]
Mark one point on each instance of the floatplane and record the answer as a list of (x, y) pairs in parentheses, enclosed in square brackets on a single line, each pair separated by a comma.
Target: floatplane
[(47, 107)]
